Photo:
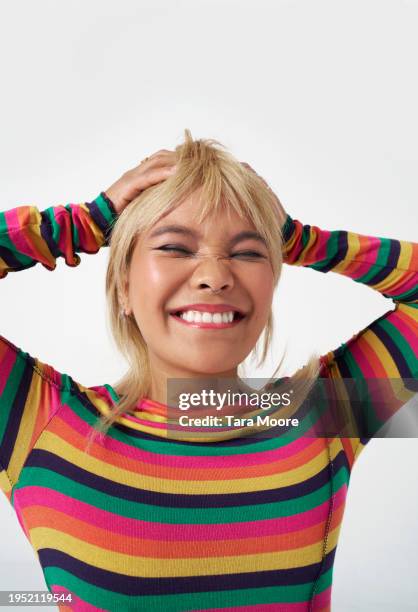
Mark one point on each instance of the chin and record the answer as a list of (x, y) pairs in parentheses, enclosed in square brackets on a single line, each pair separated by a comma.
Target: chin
[(210, 369)]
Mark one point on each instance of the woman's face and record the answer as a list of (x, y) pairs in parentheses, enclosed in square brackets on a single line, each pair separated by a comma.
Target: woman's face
[(208, 257)]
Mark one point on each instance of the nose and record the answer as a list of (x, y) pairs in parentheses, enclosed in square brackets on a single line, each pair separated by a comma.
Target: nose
[(213, 274)]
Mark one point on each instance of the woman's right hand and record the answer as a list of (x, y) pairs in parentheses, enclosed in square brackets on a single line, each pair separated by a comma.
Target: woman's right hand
[(156, 168)]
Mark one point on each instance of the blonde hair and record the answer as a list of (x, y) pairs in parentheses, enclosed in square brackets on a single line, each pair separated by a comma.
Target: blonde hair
[(200, 164)]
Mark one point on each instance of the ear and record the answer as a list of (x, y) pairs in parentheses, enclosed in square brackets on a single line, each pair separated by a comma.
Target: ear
[(123, 298)]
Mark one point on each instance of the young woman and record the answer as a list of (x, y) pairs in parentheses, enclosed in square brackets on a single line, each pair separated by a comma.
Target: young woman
[(125, 508)]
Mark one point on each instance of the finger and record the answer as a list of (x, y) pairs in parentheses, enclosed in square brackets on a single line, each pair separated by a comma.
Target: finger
[(155, 175), (140, 176), (167, 157), (160, 158), (161, 154), (144, 176)]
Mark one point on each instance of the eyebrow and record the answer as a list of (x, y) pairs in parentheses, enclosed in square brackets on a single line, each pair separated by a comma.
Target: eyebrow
[(186, 231)]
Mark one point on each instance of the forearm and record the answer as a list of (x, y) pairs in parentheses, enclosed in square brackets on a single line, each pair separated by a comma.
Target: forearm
[(29, 236), (386, 265)]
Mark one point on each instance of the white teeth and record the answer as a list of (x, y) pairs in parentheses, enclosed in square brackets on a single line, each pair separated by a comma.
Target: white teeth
[(194, 316)]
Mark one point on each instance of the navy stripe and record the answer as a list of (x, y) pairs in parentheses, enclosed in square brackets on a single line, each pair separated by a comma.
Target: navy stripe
[(47, 234), (342, 249), (17, 409), (100, 220), (40, 458), (137, 586), (394, 351), (384, 271), (13, 262)]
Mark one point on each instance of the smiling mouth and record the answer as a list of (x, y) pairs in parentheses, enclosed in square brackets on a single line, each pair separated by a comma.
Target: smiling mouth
[(203, 321)]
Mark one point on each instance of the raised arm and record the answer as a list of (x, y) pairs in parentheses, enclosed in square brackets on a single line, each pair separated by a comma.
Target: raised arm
[(28, 236), (383, 356), (30, 390)]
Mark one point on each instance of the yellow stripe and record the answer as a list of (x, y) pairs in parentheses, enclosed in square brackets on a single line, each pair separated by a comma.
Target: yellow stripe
[(92, 227), (313, 237), (4, 268), (405, 256), (31, 414), (389, 281), (382, 354), (353, 248), (5, 484), (151, 567), (53, 443), (33, 235), (409, 310)]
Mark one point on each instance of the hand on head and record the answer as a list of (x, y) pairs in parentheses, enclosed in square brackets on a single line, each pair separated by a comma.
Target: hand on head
[(152, 170)]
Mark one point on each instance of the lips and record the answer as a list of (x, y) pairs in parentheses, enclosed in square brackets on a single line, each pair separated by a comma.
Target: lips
[(212, 308)]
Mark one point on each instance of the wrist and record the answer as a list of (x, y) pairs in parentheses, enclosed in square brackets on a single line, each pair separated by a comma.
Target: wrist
[(109, 199), (288, 228)]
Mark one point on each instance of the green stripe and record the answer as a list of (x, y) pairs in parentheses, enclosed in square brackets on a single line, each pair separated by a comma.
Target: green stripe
[(109, 600), (404, 297), (3, 224), (105, 209), (401, 342), (325, 581), (33, 476), (54, 226), (381, 262), (332, 249), (9, 393), (6, 242), (373, 423)]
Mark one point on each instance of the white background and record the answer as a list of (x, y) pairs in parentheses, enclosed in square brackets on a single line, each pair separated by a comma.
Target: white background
[(319, 97)]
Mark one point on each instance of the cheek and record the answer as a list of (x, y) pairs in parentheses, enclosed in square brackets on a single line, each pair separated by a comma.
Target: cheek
[(151, 282), (262, 289)]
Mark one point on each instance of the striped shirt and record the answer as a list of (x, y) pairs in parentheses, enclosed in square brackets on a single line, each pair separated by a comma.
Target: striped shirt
[(151, 521)]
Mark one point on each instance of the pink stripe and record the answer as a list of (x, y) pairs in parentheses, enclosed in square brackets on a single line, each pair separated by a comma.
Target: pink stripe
[(6, 367), (323, 600), (362, 361), (145, 423), (360, 270), (226, 461), (76, 603), (319, 253), (405, 283), (135, 528), (273, 607), (17, 237), (12, 220), (65, 235)]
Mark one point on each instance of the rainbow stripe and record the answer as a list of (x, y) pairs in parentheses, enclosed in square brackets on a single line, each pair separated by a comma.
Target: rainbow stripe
[(147, 521)]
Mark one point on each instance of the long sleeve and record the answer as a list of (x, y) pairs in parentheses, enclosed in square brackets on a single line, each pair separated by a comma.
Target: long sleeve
[(29, 236), (382, 358), (29, 389)]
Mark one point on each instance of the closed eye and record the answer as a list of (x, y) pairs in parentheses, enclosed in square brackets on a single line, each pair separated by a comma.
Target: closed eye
[(169, 248), (173, 248), (247, 254)]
